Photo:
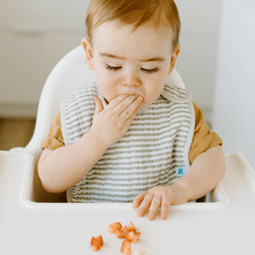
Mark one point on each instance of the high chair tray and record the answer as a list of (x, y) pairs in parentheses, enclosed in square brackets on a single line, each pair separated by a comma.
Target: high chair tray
[(222, 225)]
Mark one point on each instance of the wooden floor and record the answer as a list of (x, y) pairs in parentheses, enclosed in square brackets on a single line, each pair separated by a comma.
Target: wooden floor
[(15, 132)]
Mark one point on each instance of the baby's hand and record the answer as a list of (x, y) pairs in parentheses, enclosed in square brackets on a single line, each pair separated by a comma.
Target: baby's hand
[(111, 124), (160, 196)]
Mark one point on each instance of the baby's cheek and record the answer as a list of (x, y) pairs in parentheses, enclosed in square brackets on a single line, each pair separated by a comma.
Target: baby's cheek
[(107, 94), (149, 99)]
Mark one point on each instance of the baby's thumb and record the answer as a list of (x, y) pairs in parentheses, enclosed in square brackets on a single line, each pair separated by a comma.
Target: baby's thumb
[(99, 105)]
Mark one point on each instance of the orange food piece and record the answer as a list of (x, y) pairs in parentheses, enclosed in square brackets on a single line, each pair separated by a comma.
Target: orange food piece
[(130, 236), (136, 237), (129, 233), (131, 226), (126, 247), (96, 243), (114, 227), (133, 236), (122, 233), (99, 239)]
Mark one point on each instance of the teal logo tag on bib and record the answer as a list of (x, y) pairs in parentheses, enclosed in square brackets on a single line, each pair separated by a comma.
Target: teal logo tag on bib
[(180, 171)]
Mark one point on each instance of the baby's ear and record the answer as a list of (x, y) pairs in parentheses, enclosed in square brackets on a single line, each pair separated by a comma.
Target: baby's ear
[(86, 44), (174, 56)]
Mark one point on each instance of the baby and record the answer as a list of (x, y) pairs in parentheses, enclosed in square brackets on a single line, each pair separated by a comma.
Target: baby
[(130, 137)]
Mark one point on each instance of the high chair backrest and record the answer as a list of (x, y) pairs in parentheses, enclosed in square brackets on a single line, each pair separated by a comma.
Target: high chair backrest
[(70, 73)]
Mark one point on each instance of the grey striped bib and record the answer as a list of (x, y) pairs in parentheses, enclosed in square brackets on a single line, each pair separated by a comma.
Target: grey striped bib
[(153, 152)]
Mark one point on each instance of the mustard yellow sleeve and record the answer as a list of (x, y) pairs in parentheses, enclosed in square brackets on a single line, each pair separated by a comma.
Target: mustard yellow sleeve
[(203, 138), (54, 139)]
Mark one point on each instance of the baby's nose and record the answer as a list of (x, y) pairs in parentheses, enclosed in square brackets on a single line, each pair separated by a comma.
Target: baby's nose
[(131, 79)]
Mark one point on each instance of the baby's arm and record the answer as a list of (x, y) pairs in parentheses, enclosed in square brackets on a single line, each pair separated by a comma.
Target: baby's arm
[(203, 176), (205, 173), (62, 168)]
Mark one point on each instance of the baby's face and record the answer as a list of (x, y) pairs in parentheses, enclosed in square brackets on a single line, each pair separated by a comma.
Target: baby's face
[(127, 62)]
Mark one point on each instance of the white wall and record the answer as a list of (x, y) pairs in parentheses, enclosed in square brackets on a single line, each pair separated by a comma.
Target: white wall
[(199, 41), (234, 111), (34, 35)]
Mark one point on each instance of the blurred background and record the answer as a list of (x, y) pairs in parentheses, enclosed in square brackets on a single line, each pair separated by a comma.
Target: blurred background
[(217, 63)]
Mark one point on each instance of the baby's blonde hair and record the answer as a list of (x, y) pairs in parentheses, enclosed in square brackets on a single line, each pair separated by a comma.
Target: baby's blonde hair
[(136, 13)]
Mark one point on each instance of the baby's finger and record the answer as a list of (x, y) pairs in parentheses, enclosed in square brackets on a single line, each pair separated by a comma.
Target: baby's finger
[(164, 208), (131, 109), (99, 105), (156, 202), (145, 204), (116, 101), (124, 104), (131, 118), (138, 199)]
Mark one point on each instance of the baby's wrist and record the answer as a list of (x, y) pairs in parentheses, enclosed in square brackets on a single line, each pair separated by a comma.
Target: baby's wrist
[(184, 190), (89, 142), (97, 141), (101, 138)]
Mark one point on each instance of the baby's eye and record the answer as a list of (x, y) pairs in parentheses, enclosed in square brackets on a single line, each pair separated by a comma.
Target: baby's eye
[(154, 70), (112, 68)]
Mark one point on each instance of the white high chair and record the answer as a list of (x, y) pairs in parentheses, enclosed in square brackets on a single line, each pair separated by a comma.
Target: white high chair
[(32, 223)]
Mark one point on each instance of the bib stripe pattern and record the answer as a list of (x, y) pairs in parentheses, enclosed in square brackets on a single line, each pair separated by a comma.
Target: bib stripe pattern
[(145, 157)]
